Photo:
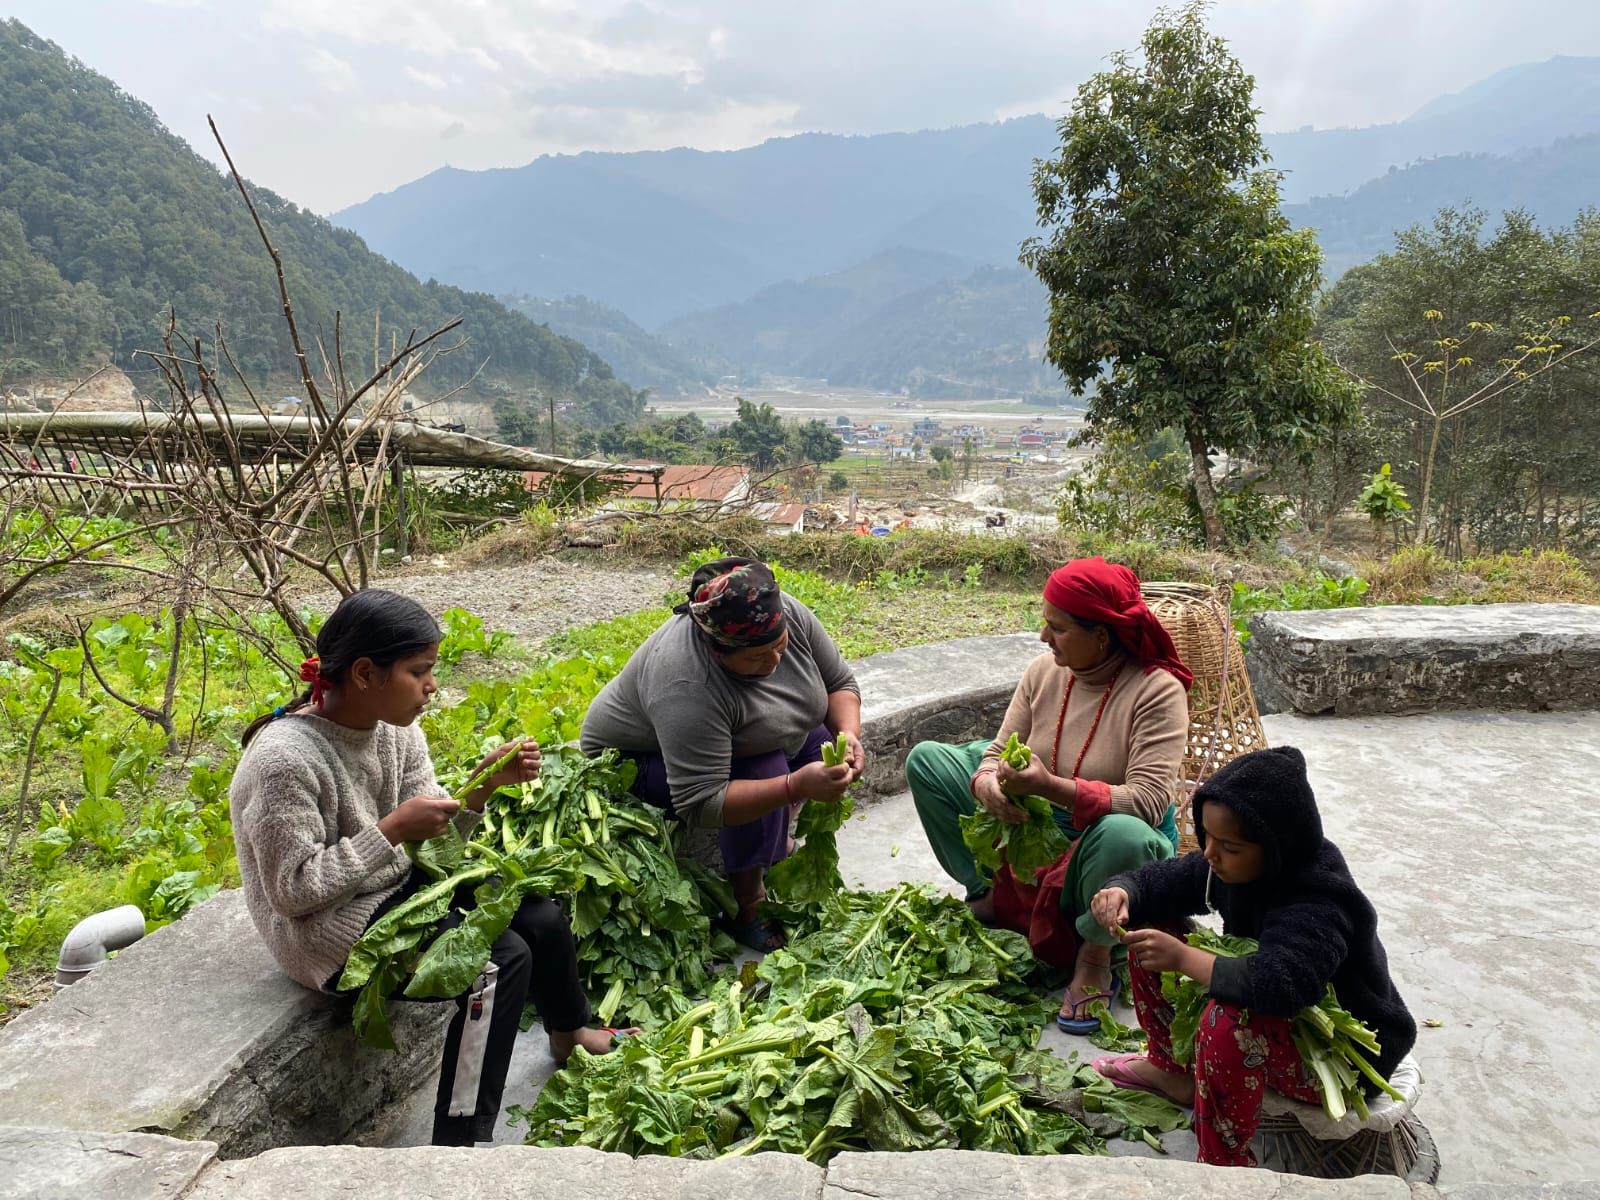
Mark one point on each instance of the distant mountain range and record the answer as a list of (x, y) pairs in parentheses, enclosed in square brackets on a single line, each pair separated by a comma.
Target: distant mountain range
[(634, 354), (808, 255), (108, 222)]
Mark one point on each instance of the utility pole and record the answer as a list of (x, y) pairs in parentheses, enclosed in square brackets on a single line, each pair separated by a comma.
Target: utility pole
[(552, 422)]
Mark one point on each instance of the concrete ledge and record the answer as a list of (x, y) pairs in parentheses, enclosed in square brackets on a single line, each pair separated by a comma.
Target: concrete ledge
[(959, 1174), (63, 1164), (946, 691), (1411, 659), (195, 1032), (1583, 1189), (521, 1171), (55, 1163)]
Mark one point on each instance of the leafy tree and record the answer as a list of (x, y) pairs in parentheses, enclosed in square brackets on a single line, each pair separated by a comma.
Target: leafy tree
[(1176, 284), (969, 457), (759, 433), (1384, 501), (516, 423), (1478, 395), (814, 442), (941, 454)]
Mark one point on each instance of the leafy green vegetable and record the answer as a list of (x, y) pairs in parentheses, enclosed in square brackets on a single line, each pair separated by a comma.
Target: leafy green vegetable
[(645, 941), (1113, 1034), (837, 752), (1331, 1042), (890, 1021), (1028, 846), (811, 873)]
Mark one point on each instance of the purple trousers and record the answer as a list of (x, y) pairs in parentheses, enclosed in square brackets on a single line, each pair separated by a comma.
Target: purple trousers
[(761, 842)]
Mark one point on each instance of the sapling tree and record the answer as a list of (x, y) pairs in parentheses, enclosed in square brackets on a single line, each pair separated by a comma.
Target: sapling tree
[(1177, 287)]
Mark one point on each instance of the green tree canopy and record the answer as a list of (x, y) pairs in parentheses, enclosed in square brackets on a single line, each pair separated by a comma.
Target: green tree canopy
[(814, 442), (759, 433), (1176, 284)]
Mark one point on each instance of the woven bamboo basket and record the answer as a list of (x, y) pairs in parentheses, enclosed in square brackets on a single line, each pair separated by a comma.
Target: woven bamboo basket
[(1223, 721)]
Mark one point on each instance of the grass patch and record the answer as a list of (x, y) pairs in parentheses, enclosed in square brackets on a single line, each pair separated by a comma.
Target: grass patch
[(1421, 575), (886, 613)]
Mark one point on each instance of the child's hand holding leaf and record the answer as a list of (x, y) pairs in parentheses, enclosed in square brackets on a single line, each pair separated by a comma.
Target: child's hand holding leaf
[(1158, 951)]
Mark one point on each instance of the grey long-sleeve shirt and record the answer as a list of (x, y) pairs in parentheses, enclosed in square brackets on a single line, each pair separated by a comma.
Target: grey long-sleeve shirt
[(675, 699)]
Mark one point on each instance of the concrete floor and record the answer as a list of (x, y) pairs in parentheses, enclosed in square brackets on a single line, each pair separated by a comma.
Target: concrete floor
[(1473, 835)]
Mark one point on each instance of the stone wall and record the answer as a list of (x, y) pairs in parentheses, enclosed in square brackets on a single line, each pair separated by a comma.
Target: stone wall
[(1411, 659), (953, 691)]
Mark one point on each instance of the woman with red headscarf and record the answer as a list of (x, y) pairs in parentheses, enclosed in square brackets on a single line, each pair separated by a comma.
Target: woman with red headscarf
[(1106, 715)]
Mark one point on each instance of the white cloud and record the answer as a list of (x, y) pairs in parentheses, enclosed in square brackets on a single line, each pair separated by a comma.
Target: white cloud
[(497, 82), (426, 78), (331, 71)]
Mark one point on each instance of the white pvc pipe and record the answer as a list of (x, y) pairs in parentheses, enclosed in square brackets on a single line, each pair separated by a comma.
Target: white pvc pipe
[(86, 946)]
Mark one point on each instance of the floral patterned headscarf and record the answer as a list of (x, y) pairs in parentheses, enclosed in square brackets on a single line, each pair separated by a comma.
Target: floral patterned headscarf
[(735, 603)]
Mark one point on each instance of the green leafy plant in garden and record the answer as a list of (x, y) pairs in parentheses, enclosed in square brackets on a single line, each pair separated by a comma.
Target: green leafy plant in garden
[(1322, 591), (465, 634), (1384, 502)]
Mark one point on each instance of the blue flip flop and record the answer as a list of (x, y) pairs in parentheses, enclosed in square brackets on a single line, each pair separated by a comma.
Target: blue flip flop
[(1082, 1026)]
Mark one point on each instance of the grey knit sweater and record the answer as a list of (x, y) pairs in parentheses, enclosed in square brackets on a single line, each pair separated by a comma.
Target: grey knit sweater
[(307, 798), (674, 699)]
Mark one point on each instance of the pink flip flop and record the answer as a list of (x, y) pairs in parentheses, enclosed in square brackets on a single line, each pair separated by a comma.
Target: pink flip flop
[(1115, 1068)]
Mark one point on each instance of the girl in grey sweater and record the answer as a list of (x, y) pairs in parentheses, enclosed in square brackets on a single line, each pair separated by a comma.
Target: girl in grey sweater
[(328, 792)]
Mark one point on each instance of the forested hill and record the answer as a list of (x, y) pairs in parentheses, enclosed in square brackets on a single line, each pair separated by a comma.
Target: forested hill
[(107, 220)]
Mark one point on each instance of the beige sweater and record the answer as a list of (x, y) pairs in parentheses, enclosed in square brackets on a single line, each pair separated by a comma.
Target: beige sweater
[(307, 797), (1138, 748)]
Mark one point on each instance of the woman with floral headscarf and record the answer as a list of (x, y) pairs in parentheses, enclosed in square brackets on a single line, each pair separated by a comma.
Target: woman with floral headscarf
[(1106, 716), (726, 708)]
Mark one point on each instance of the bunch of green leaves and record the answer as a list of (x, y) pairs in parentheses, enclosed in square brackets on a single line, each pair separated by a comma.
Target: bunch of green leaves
[(895, 1022), (645, 939), (811, 873), (1028, 846), (645, 942), (406, 944), (1331, 1042)]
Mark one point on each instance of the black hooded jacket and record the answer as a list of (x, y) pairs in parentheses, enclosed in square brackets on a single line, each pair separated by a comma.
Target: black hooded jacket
[(1313, 923)]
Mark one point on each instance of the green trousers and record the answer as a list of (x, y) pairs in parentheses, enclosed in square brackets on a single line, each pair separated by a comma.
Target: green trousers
[(940, 776)]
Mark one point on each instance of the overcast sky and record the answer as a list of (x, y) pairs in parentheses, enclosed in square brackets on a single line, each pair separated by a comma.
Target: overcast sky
[(329, 101)]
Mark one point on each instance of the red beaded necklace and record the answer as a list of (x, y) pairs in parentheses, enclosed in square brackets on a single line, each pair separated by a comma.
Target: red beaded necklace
[(1061, 720)]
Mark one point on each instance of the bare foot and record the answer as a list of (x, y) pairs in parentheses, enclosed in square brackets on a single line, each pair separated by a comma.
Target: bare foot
[(983, 908), (595, 1041), (1175, 1086)]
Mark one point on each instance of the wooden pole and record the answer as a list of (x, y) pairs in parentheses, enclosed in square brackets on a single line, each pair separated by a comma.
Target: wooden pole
[(552, 422), (402, 537)]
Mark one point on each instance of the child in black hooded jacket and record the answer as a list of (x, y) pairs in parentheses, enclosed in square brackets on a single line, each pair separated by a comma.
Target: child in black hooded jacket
[(1264, 865)]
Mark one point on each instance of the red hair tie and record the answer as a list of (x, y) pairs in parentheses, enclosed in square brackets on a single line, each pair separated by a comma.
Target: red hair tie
[(311, 672)]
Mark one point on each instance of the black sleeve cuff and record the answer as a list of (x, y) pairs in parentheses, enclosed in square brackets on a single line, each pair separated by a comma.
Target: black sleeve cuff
[(1125, 882), (1230, 980)]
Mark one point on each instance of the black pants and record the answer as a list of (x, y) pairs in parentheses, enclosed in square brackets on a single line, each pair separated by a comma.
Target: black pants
[(535, 957)]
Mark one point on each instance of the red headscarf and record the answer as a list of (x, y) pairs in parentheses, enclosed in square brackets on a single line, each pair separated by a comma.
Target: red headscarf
[(1092, 589)]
